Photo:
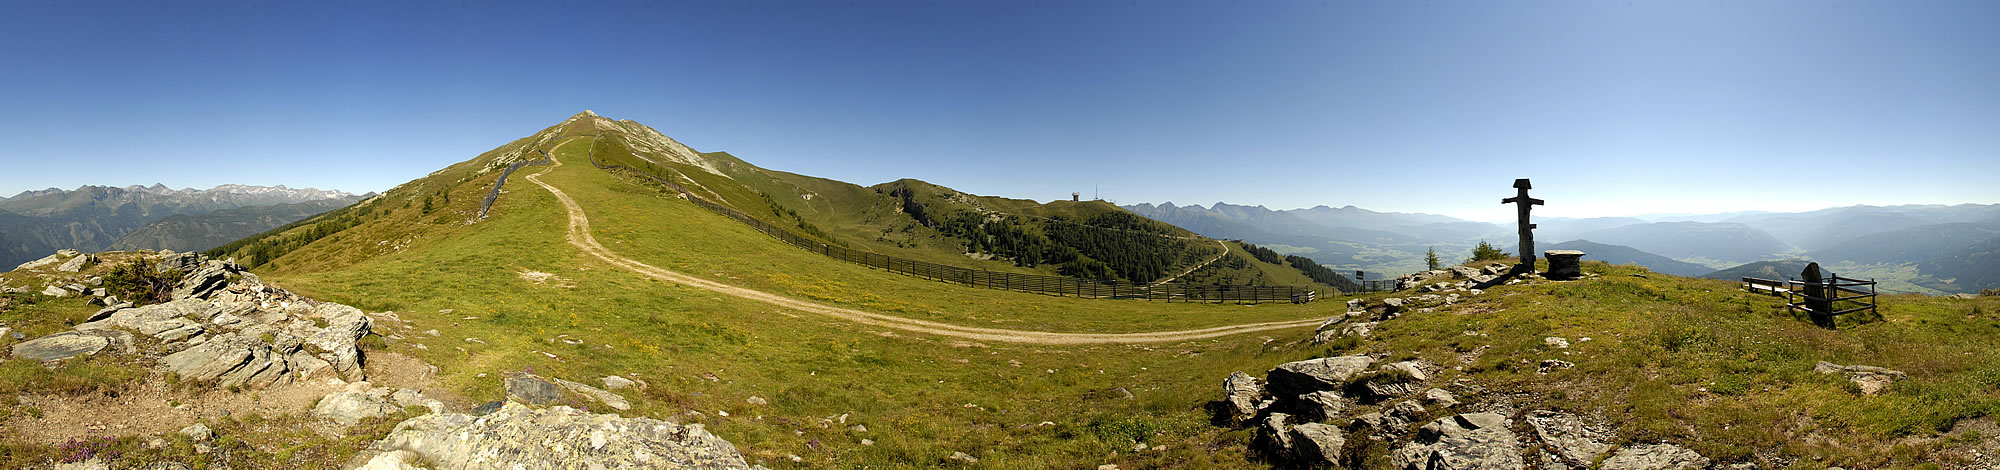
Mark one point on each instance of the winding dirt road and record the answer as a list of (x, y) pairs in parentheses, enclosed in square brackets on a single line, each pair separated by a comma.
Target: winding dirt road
[(579, 235)]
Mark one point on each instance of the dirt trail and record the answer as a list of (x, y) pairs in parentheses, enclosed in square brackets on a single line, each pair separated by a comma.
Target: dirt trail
[(579, 235), (1190, 269)]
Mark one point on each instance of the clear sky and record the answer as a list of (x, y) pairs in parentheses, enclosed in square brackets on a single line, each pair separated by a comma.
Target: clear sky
[(1613, 108)]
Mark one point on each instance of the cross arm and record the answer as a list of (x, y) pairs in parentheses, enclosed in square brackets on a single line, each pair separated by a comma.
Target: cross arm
[(1530, 200)]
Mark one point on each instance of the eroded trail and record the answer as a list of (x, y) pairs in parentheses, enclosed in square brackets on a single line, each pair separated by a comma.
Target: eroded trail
[(579, 235)]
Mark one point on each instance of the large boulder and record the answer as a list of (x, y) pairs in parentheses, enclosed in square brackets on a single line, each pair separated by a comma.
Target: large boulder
[(1655, 457), (45, 261), (60, 346), (1292, 379), (205, 279), (1241, 393), (537, 390), (1467, 441), (553, 437), (77, 263), (1317, 444), (1274, 435)]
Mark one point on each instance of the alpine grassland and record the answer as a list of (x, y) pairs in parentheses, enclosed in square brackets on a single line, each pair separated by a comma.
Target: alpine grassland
[(1656, 358)]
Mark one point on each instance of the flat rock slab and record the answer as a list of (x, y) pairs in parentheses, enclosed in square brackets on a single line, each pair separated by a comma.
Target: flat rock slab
[(60, 346), (533, 390), (1292, 379), (553, 437)]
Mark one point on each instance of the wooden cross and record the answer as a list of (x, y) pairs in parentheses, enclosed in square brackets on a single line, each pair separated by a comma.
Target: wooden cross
[(1527, 229)]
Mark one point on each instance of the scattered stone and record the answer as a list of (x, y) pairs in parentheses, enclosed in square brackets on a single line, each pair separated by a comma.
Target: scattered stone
[(1440, 397), (1298, 378), (1655, 457), (1556, 342), (964, 457), (867, 442), (199, 432), (1872, 380), (45, 261), (558, 434), (1466, 441), (756, 400), (1554, 364), (1275, 435), (54, 291), (60, 346), (615, 382), (1359, 330), (77, 263)]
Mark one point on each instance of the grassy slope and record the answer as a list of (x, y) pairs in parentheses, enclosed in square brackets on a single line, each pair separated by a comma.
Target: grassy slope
[(911, 390)]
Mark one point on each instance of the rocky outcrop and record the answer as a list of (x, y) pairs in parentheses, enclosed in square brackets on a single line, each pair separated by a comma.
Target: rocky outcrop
[(1317, 444), (1329, 373), (1467, 441), (1655, 457), (77, 263), (553, 437), (1241, 395), (223, 326), (1567, 442), (1870, 379), (60, 346)]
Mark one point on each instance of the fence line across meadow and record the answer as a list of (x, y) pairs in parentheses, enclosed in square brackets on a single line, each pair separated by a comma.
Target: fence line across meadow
[(1032, 283)]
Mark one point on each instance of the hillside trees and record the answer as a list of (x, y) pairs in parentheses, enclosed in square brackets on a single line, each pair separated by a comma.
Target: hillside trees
[(1486, 251), (1431, 259)]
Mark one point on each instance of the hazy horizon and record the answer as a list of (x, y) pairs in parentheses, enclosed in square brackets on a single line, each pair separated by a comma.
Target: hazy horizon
[(1612, 109)]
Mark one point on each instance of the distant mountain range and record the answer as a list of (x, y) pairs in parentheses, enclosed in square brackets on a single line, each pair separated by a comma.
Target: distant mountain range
[(95, 218), (199, 232), (1937, 240)]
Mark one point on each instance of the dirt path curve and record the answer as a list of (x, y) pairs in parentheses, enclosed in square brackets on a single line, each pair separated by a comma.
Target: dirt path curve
[(579, 235)]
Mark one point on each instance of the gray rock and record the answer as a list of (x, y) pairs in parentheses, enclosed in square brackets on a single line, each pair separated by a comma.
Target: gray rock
[(1464, 272), (54, 291), (1440, 397), (1551, 365), (1467, 441), (609, 399), (107, 311), (1322, 405), (1359, 330), (553, 437), (354, 405), (199, 432), (1567, 441), (1872, 380), (1655, 457), (955, 455), (407, 397), (1240, 394), (614, 382), (532, 389), (77, 263), (60, 346), (45, 261), (1317, 444), (1274, 435), (1298, 378)]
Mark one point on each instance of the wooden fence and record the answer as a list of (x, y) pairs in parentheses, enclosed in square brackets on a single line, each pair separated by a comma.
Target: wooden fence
[(1035, 283), (1828, 298), (1770, 287)]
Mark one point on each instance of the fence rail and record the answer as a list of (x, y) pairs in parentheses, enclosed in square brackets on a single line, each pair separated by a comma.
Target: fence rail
[(1770, 287), (493, 194), (1824, 300), (1034, 283)]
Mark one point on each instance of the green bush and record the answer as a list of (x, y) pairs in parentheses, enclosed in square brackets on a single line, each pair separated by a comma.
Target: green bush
[(1486, 251), (138, 282)]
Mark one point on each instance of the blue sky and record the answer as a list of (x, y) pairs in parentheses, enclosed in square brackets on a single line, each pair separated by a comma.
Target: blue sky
[(1613, 108)]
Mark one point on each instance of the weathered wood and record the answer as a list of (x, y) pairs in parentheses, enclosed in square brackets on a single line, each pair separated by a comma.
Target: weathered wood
[(1523, 205)]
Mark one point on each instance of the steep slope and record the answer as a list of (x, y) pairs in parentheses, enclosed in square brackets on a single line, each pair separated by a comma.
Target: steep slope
[(511, 292), (1724, 242), (1778, 269), (1620, 254), (200, 232), (1970, 269)]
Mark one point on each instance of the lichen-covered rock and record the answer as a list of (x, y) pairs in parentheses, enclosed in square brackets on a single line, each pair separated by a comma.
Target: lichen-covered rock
[(1317, 444), (1292, 379), (1241, 392), (354, 404), (77, 263), (1566, 441), (1274, 435), (1321, 405), (1655, 457), (60, 346), (45, 261), (1467, 441), (553, 437)]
